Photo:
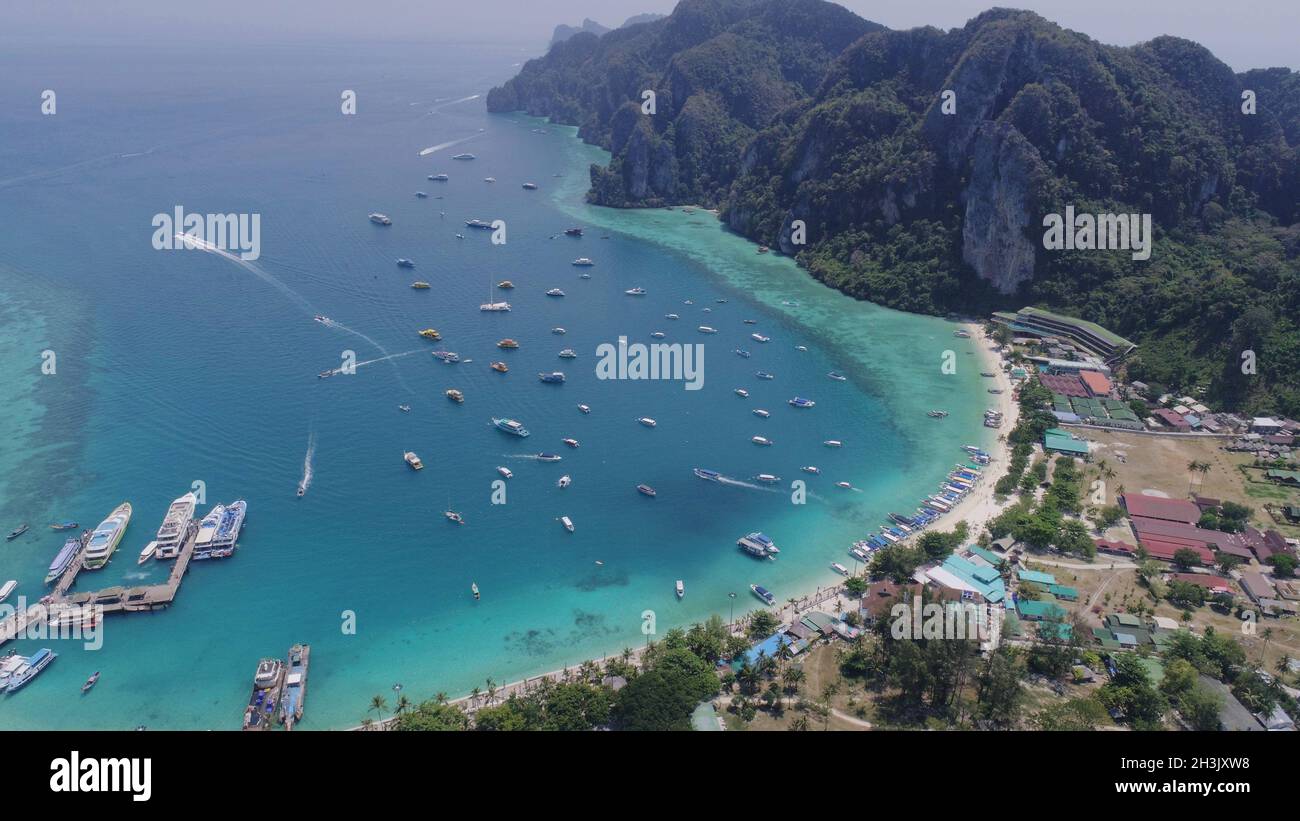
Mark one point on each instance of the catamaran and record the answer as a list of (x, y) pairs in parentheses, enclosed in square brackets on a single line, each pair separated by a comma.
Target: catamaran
[(105, 538), (221, 544)]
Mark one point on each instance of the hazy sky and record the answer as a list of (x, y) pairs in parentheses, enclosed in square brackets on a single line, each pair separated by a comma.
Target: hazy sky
[(1249, 34)]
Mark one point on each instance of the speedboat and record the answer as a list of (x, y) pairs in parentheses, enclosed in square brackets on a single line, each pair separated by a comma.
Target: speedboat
[(559, 331), (404, 408), (66, 555), (430, 333), (322, 319), (837, 376), (573, 232), (568, 353), (7, 588), (548, 457), (647, 421), (530, 186), (763, 595), (421, 195), (767, 478), (420, 285), (508, 344), (800, 402), (839, 568), (90, 682), (813, 469), (449, 357), (505, 284), (147, 553), (741, 352), (844, 485), (380, 219), (750, 321), (567, 522), (635, 291), (802, 348), (325, 374), (705, 329), (680, 588), (657, 335), (403, 262), (760, 440), (646, 490), (761, 413), (16, 532), (573, 443), (413, 460), (473, 588), (585, 408), (764, 375), (760, 338), (64, 526), (455, 395), (833, 443), (438, 177), (671, 316), (453, 516), (505, 472), (708, 475), (499, 367), (489, 179), (554, 377), (510, 426), (555, 292), (742, 393), (583, 262), (563, 481)]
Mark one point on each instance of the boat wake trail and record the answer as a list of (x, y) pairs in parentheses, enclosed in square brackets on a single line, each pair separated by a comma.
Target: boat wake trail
[(727, 480), (433, 149), (441, 105), (305, 481), (253, 268)]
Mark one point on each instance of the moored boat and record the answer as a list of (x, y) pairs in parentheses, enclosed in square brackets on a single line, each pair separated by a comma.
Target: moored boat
[(707, 475), (90, 682), (567, 522), (507, 344), (455, 395), (420, 285), (555, 377), (647, 421), (31, 667), (414, 461), (16, 532), (105, 538), (295, 685), (499, 367), (811, 469), (70, 552), (7, 588), (380, 219), (64, 526), (762, 594), (453, 516), (505, 472), (147, 553), (573, 443), (510, 426), (800, 402), (680, 588), (646, 490), (267, 683)]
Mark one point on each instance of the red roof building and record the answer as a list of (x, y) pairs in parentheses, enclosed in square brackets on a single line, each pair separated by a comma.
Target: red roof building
[(1064, 384), (1157, 507), (1172, 419), (1212, 584), (1119, 548), (1096, 383), (1162, 539)]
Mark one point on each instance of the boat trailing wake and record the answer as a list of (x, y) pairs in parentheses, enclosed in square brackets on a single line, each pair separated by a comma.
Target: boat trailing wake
[(380, 359), (305, 481), (434, 149), (727, 480)]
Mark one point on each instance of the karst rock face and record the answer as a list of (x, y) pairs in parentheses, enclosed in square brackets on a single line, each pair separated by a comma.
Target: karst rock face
[(940, 149)]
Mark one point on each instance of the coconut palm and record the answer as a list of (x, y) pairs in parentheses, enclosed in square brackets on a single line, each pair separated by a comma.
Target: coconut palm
[(403, 704), (440, 698), (378, 705)]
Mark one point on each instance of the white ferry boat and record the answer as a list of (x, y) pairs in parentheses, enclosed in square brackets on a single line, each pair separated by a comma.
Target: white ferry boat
[(172, 532), (105, 538)]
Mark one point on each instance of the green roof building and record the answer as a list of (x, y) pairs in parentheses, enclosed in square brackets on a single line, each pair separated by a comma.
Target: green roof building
[(1039, 610), (1056, 440)]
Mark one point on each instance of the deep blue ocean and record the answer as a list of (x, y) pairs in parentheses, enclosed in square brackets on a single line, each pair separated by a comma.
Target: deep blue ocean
[(176, 367)]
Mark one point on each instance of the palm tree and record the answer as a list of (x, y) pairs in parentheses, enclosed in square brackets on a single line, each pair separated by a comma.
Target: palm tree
[(367, 723), (378, 704), (1204, 469), (403, 704), (473, 696), (440, 698), (491, 690), (1192, 467)]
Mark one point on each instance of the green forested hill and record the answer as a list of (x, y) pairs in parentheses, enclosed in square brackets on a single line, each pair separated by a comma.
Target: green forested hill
[(783, 110)]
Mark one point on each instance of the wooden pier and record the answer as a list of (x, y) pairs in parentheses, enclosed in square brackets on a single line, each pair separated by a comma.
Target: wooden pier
[(115, 599)]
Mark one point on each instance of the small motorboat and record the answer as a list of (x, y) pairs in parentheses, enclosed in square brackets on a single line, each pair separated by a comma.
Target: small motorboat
[(811, 469), (455, 395), (573, 443), (499, 367), (90, 682), (647, 421), (7, 588), (567, 522), (844, 485), (585, 408), (473, 587), (742, 393), (555, 292), (646, 490), (453, 516), (548, 457), (833, 443), (404, 408), (64, 526), (680, 588), (505, 472), (759, 412), (147, 553), (16, 532), (564, 481), (558, 331), (837, 376), (760, 440)]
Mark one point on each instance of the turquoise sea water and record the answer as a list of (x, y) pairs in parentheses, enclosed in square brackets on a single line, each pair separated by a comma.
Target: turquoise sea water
[(177, 367)]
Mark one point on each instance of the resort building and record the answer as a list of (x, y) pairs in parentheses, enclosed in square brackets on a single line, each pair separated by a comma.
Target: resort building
[(1257, 587), (1159, 507), (1056, 440), (1089, 336)]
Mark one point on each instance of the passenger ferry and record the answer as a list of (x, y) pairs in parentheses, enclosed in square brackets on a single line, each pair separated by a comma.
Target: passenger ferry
[(758, 544), (647, 421), (763, 595), (510, 426), (380, 219), (65, 557), (207, 531), (635, 291), (267, 683), (31, 667), (455, 395), (295, 685), (555, 377), (800, 402), (105, 538), (413, 460), (708, 475)]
